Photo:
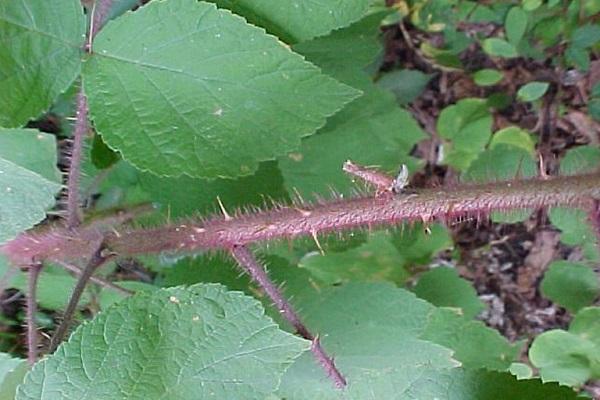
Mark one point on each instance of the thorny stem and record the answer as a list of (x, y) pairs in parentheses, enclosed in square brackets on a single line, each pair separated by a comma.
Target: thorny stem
[(98, 258), (81, 127), (248, 263), (33, 274), (59, 244)]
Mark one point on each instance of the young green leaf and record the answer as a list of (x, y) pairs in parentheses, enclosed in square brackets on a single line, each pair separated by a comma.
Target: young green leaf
[(204, 93), (586, 36), (39, 58), (487, 77), (499, 47), (177, 343), (513, 136), (570, 285), (532, 91), (468, 126), (515, 25)]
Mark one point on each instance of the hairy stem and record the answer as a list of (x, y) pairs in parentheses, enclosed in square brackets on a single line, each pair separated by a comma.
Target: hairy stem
[(32, 343), (257, 272), (100, 13), (97, 260), (59, 244), (81, 127)]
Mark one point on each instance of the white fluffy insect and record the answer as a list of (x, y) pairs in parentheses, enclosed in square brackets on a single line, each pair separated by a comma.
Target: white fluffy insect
[(401, 180)]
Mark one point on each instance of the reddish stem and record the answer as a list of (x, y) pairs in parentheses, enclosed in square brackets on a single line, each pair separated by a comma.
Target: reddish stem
[(257, 272), (100, 13), (98, 258), (32, 342), (59, 244), (81, 127)]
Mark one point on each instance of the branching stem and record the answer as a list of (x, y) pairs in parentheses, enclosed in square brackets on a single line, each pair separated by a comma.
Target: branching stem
[(98, 258), (250, 265)]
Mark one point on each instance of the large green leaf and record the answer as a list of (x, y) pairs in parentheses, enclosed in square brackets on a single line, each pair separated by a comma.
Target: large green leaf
[(371, 130), (383, 342), (202, 93), (185, 196), (297, 21), (178, 343), (40, 55)]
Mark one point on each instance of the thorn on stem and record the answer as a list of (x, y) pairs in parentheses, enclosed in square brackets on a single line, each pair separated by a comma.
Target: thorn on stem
[(223, 210)]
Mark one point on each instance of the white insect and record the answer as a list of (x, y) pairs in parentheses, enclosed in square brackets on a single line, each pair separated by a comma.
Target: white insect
[(401, 180)]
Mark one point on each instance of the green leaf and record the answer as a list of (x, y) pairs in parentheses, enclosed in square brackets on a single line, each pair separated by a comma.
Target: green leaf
[(468, 126), (570, 285), (586, 36), (101, 155), (204, 93), (576, 230), (12, 371), (521, 370), (375, 260), (378, 336), (345, 52), (514, 136), (443, 287), (498, 47), (487, 77), (372, 130), (28, 180), (31, 149), (515, 25), (108, 296), (39, 58), (363, 131), (406, 84), (532, 91), (572, 357), (578, 57), (186, 196), (25, 198), (297, 21), (180, 343), (419, 245), (580, 160), (530, 5)]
